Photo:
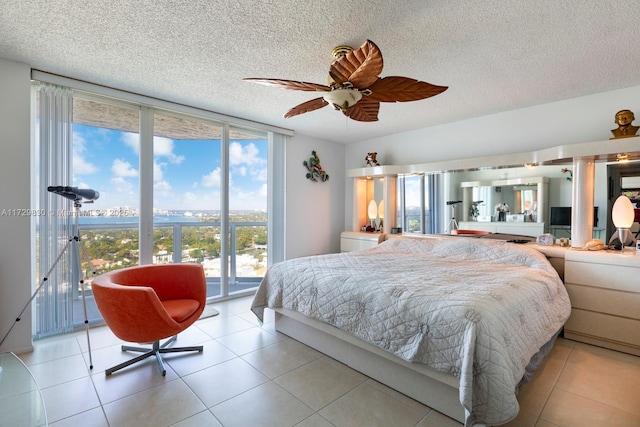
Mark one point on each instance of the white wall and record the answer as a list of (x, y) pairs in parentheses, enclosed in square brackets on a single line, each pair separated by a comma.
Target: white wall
[(15, 193), (584, 119), (315, 210)]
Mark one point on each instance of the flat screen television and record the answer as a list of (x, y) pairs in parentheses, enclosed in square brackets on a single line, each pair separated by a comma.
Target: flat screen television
[(561, 216)]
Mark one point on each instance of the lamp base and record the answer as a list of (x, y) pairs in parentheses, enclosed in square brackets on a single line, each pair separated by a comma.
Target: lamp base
[(624, 236)]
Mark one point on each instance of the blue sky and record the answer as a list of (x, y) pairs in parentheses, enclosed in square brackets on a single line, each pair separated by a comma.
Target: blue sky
[(186, 172)]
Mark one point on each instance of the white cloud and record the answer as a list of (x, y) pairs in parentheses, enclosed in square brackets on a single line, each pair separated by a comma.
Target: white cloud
[(263, 191), (158, 173), (190, 197), (80, 165), (163, 147), (259, 174), (212, 179), (121, 185), (241, 171), (249, 199), (162, 186), (247, 155), (122, 168), (132, 140)]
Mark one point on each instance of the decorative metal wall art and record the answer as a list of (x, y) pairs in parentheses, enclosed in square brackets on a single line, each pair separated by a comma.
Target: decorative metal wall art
[(316, 173)]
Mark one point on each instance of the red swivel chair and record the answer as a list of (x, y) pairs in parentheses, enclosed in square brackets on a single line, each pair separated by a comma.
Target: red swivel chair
[(146, 304)]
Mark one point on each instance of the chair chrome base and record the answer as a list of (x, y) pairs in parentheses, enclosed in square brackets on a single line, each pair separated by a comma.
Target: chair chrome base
[(156, 350)]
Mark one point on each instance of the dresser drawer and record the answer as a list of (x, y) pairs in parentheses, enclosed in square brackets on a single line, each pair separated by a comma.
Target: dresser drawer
[(604, 327), (623, 278), (607, 301)]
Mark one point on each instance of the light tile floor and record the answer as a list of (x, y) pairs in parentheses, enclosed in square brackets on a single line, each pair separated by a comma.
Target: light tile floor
[(254, 376)]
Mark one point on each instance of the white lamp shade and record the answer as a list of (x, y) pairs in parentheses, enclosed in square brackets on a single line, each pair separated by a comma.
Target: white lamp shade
[(342, 98), (622, 213), (373, 209), (381, 209)]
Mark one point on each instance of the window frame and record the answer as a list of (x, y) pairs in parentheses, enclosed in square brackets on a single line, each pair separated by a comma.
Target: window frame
[(148, 107)]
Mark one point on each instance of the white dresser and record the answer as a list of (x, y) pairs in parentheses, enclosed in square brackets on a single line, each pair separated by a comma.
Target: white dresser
[(604, 288)]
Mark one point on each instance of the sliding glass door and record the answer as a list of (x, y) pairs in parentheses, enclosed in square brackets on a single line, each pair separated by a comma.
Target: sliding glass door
[(174, 188)]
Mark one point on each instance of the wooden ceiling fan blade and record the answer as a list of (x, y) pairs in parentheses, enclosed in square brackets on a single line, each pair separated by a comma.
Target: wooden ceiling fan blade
[(361, 66), (363, 111), (290, 84), (305, 107), (402, 89)]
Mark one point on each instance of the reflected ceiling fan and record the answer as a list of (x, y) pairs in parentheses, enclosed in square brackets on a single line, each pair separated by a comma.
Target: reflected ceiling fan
[(355, 86)]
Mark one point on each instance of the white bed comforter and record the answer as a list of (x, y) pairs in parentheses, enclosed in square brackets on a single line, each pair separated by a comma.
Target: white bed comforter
[(474, 308)]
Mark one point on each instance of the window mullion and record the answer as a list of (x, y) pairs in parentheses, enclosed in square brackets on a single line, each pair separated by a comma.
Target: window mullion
[(276, 199), (224, 211), (146, 186)]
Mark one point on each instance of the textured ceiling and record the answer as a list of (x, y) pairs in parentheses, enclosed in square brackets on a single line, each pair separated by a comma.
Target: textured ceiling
[(495, 55)]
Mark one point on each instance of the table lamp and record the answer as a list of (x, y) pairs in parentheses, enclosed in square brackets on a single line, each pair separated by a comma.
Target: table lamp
[(372, 212), (622, 215), (380, 213)]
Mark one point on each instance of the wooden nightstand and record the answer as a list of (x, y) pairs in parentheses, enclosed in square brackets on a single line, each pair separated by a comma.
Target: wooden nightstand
[(355, 240)]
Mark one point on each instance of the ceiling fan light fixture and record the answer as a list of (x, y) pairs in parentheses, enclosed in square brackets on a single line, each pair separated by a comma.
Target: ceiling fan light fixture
[(354, 74), (342, 98)]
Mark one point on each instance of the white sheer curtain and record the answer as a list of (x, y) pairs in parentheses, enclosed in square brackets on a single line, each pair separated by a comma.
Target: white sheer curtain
[(53, 117)]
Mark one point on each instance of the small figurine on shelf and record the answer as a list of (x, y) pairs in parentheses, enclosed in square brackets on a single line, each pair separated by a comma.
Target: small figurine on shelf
[(371, 159), (569, 171), (502, 209), (474, 211), (625, 128)]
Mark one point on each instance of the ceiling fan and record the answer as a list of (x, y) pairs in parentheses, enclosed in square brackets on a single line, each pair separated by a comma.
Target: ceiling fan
[(355, 87)]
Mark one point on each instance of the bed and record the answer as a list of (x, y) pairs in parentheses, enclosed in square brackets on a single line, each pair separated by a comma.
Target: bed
[(455, 323)]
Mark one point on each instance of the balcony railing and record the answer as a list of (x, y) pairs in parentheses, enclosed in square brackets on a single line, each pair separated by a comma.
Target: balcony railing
[(239, 282)]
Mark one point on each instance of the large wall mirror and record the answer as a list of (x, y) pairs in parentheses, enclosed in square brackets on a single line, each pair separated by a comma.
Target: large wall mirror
[(522, 196), (558, 195), (553, 164)]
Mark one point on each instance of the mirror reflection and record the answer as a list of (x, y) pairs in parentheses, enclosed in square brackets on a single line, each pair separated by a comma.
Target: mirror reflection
[(517, 199)]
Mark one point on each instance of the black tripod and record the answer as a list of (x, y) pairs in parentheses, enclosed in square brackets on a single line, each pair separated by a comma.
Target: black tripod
[(73, 244), (453, 224)]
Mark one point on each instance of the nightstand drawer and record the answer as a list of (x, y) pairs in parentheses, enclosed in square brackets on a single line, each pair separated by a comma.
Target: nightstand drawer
[(604, 327), (619, 303), (354, 241), (618, 277)]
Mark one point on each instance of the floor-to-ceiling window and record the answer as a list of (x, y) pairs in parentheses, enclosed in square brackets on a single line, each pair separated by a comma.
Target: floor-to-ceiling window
[(248, 210), (174, 187)]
